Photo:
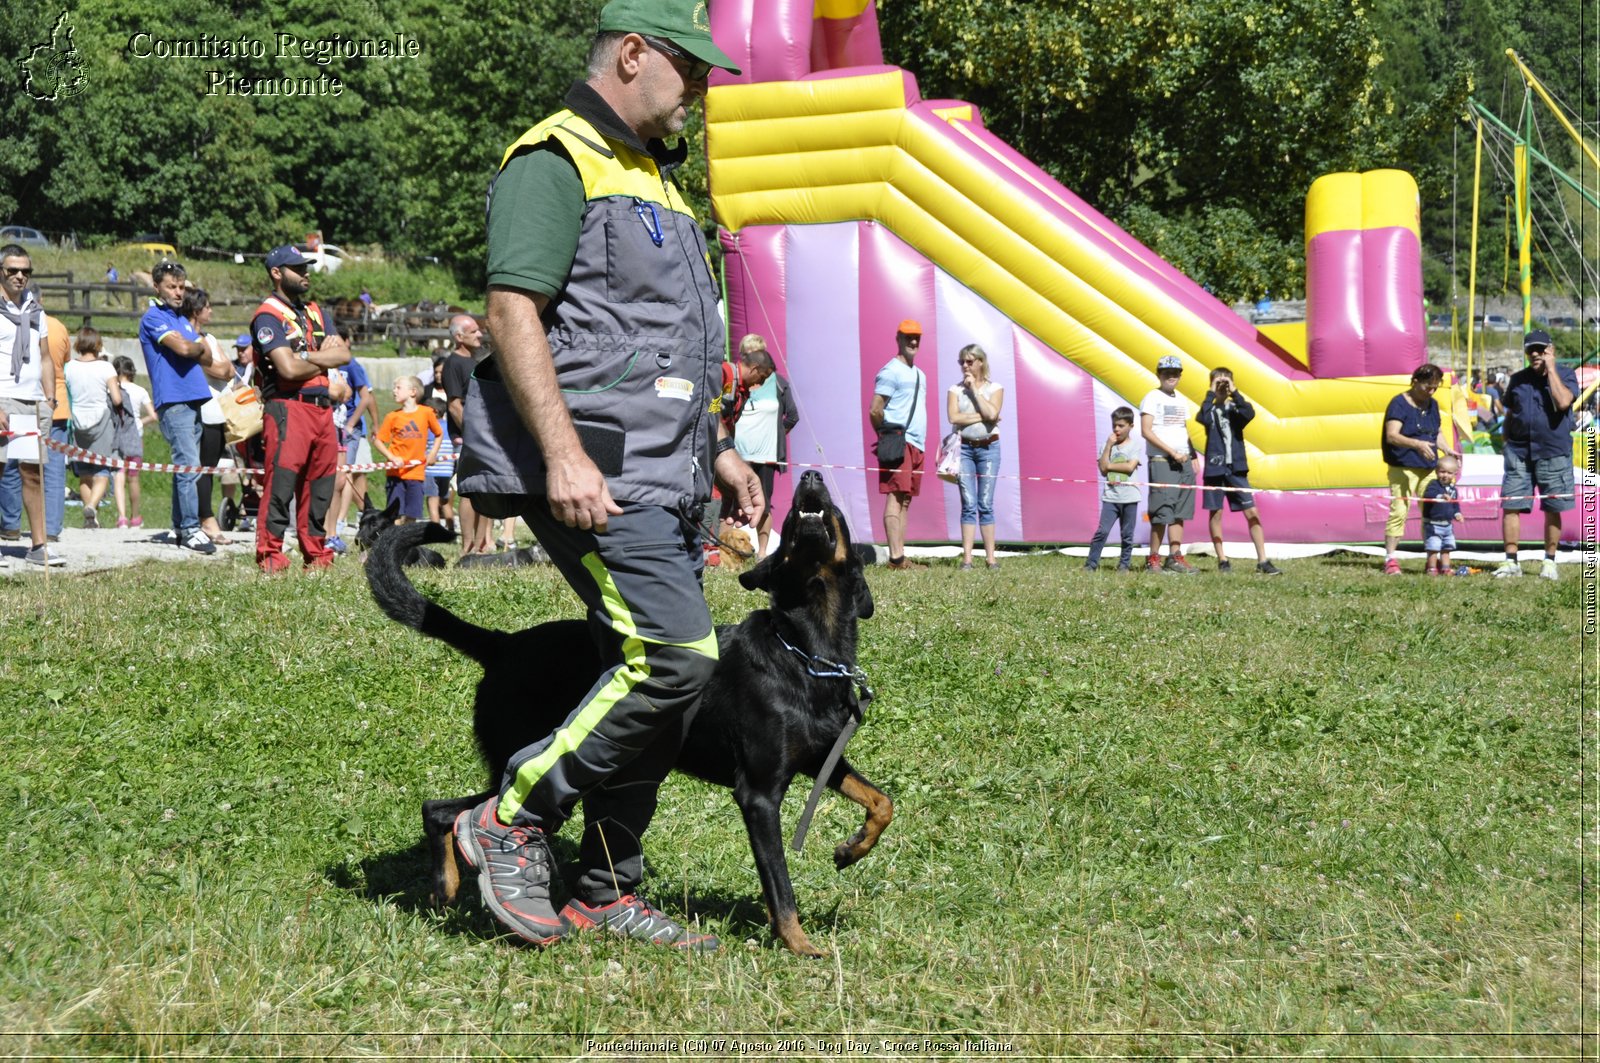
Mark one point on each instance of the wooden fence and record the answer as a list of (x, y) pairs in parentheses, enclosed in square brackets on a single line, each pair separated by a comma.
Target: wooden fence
[(78, 303)]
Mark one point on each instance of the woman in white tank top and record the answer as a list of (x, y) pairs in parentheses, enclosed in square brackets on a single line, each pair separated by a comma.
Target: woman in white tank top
[(973, 407)]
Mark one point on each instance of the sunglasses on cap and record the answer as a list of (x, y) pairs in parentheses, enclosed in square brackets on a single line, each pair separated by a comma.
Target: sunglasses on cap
[(699, 69)]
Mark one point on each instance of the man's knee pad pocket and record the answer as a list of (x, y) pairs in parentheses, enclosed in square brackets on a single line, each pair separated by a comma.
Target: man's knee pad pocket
[(680, 667)]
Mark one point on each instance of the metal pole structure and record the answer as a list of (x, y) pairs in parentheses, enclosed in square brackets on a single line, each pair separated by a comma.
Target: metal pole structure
[(1482, 113), (1524, 237), (1533, 82), (1472, 258)]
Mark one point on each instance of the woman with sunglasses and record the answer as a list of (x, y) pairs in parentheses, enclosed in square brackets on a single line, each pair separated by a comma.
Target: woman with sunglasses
[(973, 407)]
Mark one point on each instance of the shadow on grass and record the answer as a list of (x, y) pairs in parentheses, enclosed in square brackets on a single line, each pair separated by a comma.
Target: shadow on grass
[(403, 878)]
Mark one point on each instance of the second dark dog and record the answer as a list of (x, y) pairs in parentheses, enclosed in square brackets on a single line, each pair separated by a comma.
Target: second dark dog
[(781, 693), (527, 555), (375, 522)]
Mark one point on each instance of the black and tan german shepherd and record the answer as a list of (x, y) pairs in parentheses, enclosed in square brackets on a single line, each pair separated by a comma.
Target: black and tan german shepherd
[(777, 701)]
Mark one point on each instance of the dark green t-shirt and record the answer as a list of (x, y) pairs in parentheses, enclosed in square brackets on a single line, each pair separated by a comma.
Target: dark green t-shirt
[(535, 214)]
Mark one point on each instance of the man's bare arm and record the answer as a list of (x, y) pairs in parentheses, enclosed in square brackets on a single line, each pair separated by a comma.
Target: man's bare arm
[(577, 491)]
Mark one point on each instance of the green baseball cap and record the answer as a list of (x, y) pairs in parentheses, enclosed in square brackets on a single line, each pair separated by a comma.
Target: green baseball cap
[(683, 22)]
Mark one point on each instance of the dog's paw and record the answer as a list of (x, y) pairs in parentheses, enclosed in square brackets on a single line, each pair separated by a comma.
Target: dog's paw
[(849, 851), (786, 928)]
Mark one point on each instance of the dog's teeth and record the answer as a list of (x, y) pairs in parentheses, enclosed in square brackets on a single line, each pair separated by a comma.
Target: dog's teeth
[(817, 514)]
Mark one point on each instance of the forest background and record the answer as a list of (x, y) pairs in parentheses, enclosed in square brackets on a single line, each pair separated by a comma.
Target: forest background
[(1197, 125)]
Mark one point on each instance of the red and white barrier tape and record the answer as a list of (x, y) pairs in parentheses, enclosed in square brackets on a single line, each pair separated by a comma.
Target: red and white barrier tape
[(78, 453), (1294, 491), (140, 465)]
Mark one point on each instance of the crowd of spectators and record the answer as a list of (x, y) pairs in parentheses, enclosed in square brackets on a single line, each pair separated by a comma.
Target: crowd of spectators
[(100, 407)]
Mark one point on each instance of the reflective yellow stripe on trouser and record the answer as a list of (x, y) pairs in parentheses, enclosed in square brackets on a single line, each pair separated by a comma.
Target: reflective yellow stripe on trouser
[(635, 669)]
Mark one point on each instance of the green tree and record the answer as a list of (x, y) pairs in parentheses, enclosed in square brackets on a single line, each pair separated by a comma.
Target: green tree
[(1213, 116), (485, 82)]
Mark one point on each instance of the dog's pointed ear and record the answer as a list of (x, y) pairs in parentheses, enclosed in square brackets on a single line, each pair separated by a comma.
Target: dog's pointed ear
[(392, 510), (864, 604), (759, 578)]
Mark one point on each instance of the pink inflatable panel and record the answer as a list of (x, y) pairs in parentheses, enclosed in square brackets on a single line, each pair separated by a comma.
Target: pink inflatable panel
[(1364, 303)]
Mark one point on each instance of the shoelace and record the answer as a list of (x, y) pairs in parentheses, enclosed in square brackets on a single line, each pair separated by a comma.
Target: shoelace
[(644, 905), (526, 840)]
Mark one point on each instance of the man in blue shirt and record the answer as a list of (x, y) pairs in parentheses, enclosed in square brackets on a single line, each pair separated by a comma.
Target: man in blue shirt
[(174, 356), (897, 399), (1537, 450)]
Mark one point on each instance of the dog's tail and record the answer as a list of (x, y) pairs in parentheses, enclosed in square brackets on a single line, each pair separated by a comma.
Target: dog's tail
[(397, 597)]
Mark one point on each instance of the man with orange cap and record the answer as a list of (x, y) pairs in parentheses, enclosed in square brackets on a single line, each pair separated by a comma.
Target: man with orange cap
[(897, 405)]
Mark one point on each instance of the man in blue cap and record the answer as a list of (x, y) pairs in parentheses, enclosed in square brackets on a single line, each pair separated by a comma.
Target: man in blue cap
[(295, 347), (1537, 451), (594, 420)]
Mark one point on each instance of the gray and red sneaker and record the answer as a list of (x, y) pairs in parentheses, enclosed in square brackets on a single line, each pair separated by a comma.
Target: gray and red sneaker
[(634, 917), (514, 870)]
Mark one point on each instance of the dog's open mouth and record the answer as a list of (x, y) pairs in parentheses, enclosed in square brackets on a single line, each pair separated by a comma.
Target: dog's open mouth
[(812, 509)]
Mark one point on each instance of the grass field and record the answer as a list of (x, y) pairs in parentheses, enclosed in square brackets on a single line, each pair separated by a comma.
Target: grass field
[(1329, 814)]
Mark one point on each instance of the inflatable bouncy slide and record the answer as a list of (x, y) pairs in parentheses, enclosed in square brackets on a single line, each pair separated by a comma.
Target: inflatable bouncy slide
[(846, 202)]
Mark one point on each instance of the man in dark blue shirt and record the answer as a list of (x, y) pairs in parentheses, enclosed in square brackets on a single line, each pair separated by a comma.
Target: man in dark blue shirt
[(1538, 451)]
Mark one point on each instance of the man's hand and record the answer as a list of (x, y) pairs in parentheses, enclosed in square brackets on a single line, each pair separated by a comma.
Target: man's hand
[(1461, 518), (332, 353), (579, 497), (1425, 448), (738, 481), (5, 422)]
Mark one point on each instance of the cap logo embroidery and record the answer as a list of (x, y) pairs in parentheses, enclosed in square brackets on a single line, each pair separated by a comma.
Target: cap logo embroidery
[(701, 22)]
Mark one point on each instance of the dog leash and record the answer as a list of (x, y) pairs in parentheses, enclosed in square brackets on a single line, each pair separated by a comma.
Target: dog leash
[(710, 533), (860, 696)]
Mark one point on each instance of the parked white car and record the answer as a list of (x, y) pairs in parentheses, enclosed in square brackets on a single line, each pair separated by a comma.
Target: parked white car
[(328, 258), (24, 235)]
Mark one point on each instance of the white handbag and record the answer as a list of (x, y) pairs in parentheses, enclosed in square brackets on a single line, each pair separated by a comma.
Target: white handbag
[(948, 463)]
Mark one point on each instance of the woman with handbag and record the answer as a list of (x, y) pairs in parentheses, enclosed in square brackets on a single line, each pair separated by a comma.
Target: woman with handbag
[(973, 407)]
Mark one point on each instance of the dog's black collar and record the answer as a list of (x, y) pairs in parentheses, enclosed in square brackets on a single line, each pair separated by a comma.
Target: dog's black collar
[(823, 668)]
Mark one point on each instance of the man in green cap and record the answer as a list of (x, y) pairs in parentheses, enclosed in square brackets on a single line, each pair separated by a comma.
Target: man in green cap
[(595, 421)]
